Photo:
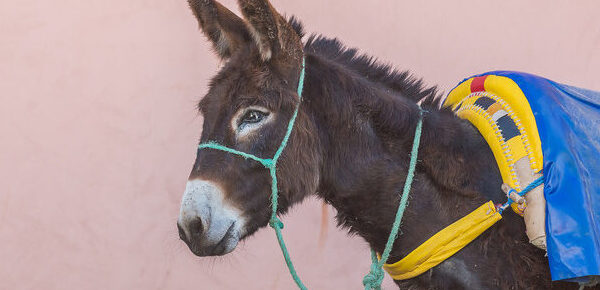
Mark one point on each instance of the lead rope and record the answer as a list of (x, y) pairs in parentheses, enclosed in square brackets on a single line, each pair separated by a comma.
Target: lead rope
[(271, 164), (375, 276)]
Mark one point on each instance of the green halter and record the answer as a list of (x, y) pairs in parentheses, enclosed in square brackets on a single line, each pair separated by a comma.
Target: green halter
[(271, 164), (374, 278)]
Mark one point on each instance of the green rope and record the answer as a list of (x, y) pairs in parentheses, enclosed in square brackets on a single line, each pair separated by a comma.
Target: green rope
[(213, 145), (271, 164), (375, 276)]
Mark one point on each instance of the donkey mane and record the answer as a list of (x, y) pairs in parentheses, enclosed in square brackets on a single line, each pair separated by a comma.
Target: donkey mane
[(384, 74)]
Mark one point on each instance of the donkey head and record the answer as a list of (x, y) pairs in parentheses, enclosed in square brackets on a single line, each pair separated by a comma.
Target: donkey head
[(247, 107)]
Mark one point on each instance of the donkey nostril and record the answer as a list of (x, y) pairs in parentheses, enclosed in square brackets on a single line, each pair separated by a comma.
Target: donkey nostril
[(181, 233), (196, 228)]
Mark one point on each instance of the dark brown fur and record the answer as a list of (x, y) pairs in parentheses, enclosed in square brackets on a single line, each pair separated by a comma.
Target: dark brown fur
[(350, 146)]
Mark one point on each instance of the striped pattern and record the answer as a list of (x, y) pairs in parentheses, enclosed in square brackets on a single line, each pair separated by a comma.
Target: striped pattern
[(500, 126), (507, 126)]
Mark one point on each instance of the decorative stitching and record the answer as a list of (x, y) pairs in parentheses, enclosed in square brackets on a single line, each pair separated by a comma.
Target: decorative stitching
[(506, 152), (516, 119)]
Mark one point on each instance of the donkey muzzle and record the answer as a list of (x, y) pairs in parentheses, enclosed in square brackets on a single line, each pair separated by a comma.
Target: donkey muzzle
[(207, 224)]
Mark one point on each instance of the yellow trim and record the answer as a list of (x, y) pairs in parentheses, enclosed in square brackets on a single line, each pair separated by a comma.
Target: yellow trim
[(445, 243), (517, 148), (458, 93), (506, 152), (490, 133), (512, 94)]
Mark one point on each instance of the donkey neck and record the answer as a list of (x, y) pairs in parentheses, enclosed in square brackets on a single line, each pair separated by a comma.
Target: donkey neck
[(366, 130)]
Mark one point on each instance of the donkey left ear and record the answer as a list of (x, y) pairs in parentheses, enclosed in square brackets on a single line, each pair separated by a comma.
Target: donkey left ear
[(224, 29), (274, 36)]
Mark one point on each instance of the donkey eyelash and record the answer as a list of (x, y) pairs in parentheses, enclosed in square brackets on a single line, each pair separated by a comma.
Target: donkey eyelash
[(252, 116), (249, 119)]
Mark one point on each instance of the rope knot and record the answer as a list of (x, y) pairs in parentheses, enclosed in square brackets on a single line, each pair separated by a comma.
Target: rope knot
[(268, 163), (275, 222), (374, 278)]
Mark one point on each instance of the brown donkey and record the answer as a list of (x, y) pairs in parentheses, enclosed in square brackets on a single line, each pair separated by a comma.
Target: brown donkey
[(350, 146)]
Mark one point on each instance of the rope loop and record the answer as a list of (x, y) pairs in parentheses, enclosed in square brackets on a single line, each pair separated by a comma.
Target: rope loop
[(539, 181), (275, 222), (374, 278)]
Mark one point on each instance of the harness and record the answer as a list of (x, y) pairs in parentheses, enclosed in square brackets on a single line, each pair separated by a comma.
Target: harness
[(498, 108), (508, 126), (434, 251)]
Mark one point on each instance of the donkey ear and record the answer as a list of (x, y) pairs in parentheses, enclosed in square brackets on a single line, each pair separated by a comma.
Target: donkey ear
[(224, 29), (273, 35)]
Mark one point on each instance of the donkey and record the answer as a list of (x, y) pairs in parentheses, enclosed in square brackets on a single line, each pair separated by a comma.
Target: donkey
[(350, 147)]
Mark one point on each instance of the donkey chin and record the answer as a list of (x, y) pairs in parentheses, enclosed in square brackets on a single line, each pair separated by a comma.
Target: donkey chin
[(208, 225)]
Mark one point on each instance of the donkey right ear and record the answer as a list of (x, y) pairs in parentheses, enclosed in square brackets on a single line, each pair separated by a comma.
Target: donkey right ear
[(224, 29)]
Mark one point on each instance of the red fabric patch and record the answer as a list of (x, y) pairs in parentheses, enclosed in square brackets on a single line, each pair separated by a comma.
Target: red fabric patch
[(477, 84)]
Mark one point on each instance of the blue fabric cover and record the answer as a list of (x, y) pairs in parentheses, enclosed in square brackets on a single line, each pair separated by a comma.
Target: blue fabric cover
[(568, 121)]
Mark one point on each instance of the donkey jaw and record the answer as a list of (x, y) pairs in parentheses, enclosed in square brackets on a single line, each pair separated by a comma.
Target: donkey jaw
[(208, 225)]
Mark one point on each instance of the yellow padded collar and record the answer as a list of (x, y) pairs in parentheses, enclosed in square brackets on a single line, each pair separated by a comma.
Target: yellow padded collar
[(445, 243)]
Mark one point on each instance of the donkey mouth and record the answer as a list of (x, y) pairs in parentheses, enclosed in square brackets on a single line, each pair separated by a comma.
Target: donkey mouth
[(226, 245)]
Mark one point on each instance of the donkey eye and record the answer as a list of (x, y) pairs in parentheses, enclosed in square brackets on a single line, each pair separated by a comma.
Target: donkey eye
[(249, 120), (252, 117)]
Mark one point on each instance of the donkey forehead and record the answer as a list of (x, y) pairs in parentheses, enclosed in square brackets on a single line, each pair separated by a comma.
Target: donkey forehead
[(245, 65), (234, 87)]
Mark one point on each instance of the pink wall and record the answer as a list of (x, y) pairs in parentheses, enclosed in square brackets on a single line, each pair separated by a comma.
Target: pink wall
[(98, 128)]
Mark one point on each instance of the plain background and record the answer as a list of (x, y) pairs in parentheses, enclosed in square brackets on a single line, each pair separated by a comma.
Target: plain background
[(98, 128)]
